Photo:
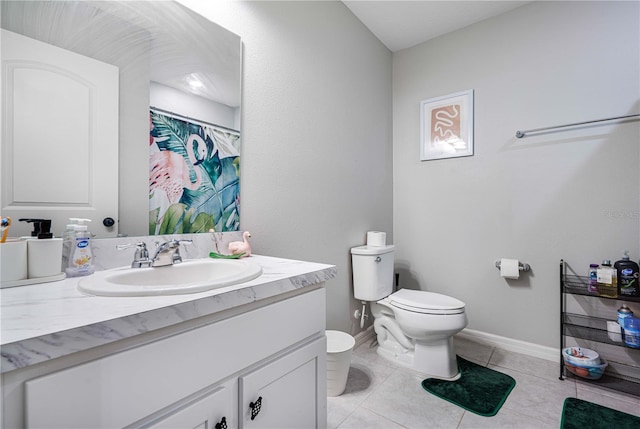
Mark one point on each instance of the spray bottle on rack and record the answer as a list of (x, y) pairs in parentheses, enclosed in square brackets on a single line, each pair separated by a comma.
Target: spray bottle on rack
[(80, 256)]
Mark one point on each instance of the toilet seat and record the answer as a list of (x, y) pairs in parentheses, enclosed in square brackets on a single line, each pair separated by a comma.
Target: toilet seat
[(420, 301)]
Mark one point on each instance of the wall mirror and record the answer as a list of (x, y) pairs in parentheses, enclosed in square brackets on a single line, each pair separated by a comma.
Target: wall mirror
[(167, 58)]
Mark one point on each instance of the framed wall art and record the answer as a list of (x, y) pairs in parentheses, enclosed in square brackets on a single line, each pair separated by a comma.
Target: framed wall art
[(446, 126)]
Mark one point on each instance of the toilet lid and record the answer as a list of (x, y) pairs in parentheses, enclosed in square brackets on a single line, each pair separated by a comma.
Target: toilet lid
[(421, 301)]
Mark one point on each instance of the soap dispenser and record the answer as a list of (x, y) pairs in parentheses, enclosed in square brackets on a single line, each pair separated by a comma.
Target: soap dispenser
[(80, 259), (68, 240), (44, 252)]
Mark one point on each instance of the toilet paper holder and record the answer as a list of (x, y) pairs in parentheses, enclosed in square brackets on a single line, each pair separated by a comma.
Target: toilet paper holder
[(521, 266)]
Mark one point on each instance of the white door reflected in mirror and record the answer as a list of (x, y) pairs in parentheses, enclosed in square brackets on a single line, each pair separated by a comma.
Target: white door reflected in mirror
[(60, 136)]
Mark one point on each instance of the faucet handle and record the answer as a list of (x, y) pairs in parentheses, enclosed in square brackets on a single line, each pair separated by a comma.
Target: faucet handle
[(176, 257), (185, 241), (168, 253), (140, 245), (173, 243), (140, 257)]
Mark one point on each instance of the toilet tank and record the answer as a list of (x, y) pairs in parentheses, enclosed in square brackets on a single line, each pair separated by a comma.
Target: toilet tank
[(372, 272)]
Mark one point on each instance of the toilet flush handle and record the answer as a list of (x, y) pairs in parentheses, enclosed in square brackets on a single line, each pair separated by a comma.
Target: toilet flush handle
[(378, 259)]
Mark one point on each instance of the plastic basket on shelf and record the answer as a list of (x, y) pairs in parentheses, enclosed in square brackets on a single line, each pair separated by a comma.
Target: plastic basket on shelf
[(588, 371)]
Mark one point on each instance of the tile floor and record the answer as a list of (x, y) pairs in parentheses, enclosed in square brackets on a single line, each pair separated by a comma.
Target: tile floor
[(380, 394)]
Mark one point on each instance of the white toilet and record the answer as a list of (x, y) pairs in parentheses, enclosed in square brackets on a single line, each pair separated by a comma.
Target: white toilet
[(414, 328)]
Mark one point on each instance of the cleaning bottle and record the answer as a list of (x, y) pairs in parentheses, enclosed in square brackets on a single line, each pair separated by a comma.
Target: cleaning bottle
[(627, 276), (592, 286), (623, 313), (607, 280), (80, 259)]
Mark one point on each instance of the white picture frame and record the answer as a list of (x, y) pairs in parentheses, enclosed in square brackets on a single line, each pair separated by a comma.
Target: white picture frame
[(446, 126)]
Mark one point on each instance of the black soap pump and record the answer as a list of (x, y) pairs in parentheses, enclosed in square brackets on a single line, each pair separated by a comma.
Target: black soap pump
[(41, 227), (36, 225), (45, 229)]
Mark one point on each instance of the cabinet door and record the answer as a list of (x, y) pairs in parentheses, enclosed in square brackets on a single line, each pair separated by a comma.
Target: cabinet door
[(289, 392), (215, 409)]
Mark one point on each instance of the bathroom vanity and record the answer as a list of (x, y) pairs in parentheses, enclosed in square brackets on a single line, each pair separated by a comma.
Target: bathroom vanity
[(249, 355)]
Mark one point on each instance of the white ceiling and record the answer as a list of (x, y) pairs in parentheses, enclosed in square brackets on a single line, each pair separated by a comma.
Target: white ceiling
[(182, 46), (402, 24)]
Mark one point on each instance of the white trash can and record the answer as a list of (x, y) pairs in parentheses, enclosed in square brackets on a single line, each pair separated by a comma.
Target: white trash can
[(339, 350)]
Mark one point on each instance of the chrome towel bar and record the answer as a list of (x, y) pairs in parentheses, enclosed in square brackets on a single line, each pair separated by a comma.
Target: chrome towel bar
[(520, 134)]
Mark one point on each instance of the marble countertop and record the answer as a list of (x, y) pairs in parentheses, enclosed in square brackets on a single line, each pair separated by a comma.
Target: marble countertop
[(50, 320)]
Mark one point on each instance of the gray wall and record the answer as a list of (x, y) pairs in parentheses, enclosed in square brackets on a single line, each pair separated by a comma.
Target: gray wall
[(572, 195), (316, 134)]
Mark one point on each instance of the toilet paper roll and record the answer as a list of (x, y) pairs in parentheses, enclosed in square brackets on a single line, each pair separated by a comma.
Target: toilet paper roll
[(509, 268), (376, 238)]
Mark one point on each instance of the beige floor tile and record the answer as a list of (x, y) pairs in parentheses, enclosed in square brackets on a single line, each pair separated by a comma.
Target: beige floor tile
[(380, 394), (471, 351), (365, 419), (622, 402), (525, 363), (402, 399), (505, 419), (537, 397)]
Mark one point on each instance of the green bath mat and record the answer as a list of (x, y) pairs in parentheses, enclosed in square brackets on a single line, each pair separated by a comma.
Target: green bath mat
[(479, 389), (579, 414)]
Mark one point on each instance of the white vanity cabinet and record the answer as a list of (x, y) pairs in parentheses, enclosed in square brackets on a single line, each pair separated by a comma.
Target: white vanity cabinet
[(281, 394), (272, 356)]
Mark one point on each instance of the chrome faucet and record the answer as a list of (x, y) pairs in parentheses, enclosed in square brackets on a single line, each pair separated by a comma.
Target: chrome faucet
[(141, 257), (168, 253)]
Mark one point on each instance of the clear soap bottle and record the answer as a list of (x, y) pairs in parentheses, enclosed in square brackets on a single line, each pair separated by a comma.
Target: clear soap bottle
[(80, 260), (68, 238)]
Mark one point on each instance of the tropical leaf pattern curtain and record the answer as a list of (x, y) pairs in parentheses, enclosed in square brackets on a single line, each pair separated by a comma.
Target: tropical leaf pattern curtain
[(194, 176)]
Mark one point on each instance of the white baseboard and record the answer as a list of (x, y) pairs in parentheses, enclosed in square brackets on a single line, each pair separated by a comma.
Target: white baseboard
[(509, 344), (504, 343)]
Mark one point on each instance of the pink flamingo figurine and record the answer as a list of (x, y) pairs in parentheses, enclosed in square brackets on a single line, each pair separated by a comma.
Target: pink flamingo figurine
[(238, 247)]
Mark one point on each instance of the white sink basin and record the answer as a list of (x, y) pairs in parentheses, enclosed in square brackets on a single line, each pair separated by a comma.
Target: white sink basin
[(190, 276)]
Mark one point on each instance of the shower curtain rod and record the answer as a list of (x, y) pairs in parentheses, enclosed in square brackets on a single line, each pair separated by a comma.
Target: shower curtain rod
[(520, 134), (187, 118)]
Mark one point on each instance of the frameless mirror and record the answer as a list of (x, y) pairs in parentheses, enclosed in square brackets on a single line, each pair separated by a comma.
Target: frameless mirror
[(168, 58)]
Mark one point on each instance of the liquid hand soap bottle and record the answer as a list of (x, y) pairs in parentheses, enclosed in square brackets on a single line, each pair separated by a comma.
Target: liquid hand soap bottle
[(80, 256), (627, 271), (68, 239)]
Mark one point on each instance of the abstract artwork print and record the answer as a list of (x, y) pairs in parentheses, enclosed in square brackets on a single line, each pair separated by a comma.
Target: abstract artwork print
[(446, 126)]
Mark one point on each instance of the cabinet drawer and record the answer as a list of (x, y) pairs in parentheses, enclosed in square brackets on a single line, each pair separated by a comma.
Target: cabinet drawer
[(205, 412)]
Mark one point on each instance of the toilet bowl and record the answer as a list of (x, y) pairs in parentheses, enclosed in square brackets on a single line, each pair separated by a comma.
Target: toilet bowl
[(414, 328)]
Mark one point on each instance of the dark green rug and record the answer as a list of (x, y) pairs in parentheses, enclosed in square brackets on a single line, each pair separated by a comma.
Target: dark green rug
[(579, 414), (479, 389)]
